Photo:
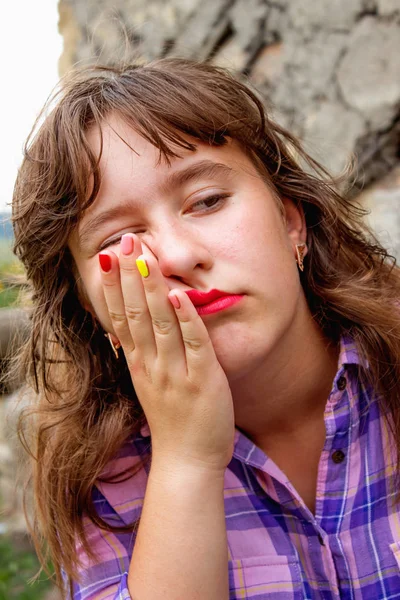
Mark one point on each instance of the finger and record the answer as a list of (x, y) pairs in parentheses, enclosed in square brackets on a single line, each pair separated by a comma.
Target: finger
[(199, 351), (166, 329), (134, 298), (110, 278)]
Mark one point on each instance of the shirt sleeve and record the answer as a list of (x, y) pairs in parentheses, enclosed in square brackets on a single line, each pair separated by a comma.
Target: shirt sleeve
[(118, 501), (106, 577), (123, 592)]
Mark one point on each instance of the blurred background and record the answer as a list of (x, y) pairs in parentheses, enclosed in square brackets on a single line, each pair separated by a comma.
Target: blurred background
[(330, 71)]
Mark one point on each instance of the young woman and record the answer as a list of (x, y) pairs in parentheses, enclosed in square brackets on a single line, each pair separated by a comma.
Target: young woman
[(215, 349)]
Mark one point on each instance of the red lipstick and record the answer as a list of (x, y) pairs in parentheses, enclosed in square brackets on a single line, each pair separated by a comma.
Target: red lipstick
[(212, 301)]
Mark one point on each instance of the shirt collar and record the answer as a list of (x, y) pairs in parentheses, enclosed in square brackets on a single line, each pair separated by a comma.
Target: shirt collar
[(349, 355)]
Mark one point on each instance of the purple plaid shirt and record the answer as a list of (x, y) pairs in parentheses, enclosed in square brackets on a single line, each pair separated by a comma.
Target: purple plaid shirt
[(278, 549)]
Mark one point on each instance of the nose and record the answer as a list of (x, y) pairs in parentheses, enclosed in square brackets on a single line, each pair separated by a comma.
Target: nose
[(180, 251)]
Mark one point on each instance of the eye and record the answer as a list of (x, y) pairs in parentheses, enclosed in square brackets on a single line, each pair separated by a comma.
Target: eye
[(211, 203), (110, 242), (115, 239)]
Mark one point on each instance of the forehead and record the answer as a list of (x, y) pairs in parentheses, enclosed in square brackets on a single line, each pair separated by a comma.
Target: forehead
[(126, 153), (136, 178), (116, 140)]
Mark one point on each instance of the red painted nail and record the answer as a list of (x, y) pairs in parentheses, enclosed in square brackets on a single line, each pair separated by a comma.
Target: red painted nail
[(105, 262)]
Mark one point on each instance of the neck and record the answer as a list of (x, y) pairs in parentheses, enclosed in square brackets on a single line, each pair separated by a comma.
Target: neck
[(287, 394)]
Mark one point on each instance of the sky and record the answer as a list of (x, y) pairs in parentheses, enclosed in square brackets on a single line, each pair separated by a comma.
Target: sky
[(30, 46)]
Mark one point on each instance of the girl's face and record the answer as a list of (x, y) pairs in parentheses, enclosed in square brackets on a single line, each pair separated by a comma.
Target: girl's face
[(211, 222)]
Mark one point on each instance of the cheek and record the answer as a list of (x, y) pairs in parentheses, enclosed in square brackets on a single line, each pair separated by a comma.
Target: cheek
[(229, 244), (242, 236), (91, 293), (266, 247)]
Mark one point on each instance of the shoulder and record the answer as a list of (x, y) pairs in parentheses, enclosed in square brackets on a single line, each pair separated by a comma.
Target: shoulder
[(121, 488), (117, 498)]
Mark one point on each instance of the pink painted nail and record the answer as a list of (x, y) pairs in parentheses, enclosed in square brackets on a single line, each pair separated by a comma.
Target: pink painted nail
[(174, 301), (126, 245)]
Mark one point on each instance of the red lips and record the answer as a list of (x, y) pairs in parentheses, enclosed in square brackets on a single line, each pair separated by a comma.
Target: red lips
[(201, 298)]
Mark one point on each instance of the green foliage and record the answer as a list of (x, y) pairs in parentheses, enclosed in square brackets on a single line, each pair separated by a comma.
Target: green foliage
[(6, 253), (17, 567), (8, 296), (10, 270)]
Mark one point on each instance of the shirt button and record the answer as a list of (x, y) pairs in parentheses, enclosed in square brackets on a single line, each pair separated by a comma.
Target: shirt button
[(342, 383), (338, 456)]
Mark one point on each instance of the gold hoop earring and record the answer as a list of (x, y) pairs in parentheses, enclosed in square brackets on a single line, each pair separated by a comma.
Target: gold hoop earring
[(115, 347), (300, 248)]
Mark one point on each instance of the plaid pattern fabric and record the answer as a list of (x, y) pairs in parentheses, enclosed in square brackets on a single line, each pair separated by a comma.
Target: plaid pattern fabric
[(279, 550)]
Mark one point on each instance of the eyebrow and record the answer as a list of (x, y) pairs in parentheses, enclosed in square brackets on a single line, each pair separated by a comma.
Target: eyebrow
[(199, 170)]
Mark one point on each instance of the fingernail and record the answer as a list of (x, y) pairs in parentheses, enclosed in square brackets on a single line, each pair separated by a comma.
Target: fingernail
[(174, 301), (126, 244), (105, 262), (142, 267)]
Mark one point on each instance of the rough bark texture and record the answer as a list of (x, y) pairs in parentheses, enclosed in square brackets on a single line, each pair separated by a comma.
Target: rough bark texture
[(330, 69)]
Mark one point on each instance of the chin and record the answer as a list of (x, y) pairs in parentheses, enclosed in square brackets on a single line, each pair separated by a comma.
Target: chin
[(240, 355), (239, 367)]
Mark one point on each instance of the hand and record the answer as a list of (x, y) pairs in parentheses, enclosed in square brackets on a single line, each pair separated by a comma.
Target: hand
[(180, 384)]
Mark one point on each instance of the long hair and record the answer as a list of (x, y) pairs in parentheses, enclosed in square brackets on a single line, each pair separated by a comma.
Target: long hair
[(82, 395)]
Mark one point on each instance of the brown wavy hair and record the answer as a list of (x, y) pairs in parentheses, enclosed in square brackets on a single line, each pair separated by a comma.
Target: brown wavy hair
[(82, 395)]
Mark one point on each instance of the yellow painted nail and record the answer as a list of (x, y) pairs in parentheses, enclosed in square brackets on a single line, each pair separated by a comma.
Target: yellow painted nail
[(142, 267)]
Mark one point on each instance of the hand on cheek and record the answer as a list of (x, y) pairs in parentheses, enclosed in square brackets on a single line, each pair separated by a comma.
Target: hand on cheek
[(178, 380)]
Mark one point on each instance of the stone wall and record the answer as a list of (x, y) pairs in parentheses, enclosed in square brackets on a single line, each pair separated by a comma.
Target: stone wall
[(330, 68)]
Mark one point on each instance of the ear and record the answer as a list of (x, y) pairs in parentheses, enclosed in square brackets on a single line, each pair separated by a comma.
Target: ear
[(295, 223), (86, 304), (115, 343)]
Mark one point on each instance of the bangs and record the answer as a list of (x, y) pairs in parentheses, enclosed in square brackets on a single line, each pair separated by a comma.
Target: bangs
[(165, 107), (171, 103)]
